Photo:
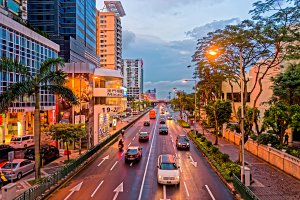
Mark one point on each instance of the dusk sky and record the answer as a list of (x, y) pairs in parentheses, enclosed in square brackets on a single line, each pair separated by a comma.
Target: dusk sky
[(164, 33)]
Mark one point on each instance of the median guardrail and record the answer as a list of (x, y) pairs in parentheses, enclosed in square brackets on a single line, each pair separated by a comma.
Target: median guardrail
[(244, 191), (45, 187)]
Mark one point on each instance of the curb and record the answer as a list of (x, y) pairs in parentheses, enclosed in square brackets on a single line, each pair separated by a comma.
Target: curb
[(228, 185), (65, 180)]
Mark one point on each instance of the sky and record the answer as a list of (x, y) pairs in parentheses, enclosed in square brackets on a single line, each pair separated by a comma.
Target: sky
[(164, 34)]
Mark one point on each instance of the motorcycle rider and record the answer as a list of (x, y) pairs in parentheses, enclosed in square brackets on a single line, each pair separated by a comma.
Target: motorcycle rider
[(123, 131), (121, 143)]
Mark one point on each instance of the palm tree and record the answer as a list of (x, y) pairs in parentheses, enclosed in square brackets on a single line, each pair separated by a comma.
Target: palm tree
[(45, 78)]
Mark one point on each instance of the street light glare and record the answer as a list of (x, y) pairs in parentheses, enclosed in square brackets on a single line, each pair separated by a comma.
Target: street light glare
[(212, 52)]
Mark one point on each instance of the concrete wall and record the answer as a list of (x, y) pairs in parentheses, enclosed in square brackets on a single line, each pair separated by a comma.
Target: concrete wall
[(283, 161)]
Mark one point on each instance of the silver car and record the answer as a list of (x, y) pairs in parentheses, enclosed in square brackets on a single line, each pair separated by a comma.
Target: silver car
[(17, 168)]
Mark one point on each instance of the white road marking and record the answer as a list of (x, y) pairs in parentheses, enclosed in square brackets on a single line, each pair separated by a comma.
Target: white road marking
[(193, 162), (211, 195), (133, 138), (131, 164), (113, 166), (97, 189), (136, 134), (165, 193), (122, 154), (186, 189), (74, 189), (144, 177), (105, 158), (129, 144), (118, 190)]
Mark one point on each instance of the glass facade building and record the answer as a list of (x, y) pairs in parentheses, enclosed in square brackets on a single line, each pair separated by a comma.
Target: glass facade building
[(19, 43), (70, 23)]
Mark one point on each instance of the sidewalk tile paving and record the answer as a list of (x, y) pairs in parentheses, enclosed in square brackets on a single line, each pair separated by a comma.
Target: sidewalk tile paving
[(270, 183)]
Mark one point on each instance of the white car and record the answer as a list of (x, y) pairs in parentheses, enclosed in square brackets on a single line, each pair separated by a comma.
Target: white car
[(168, 172), (20, 142)]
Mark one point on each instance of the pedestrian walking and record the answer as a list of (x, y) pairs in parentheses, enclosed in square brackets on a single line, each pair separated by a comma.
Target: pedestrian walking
[(286, 139)]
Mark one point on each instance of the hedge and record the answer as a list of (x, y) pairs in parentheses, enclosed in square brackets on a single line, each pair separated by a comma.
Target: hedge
[(220, 160), (183, 123)]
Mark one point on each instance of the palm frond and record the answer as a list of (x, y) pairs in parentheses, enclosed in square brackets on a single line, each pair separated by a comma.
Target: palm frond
[(56, 78), (7, 64), (65, 92), (47, 64), (14, 91)]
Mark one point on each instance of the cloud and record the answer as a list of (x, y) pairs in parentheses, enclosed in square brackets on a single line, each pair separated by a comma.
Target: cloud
[(201, 31), (165, 62), (128, 38)]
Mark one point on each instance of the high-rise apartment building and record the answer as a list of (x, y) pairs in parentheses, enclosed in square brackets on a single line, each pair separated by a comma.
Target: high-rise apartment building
[(71, 24), (22, 44), (109, 34), (133, 77), (14, 8)]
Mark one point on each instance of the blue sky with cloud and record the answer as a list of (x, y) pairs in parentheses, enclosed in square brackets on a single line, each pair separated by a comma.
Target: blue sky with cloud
[(164, 33)]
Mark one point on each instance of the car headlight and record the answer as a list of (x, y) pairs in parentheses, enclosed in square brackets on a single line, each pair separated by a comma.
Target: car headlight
[(177, 177), (188, 144), (159, 177), (179, 143)]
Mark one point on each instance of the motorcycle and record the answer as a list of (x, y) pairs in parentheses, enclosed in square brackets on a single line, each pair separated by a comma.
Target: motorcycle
[(121, 147)]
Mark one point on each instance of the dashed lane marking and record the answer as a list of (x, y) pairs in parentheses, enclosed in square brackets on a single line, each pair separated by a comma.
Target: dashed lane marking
[(113, 166)]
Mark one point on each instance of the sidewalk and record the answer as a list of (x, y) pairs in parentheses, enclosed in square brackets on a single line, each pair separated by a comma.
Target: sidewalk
[(270, 183)]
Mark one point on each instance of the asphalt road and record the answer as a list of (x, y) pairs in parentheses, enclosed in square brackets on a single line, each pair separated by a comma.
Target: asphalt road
[(109, 177)]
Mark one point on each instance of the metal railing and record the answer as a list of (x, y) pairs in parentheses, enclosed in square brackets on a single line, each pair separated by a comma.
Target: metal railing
[(244, 191), (46, 183)]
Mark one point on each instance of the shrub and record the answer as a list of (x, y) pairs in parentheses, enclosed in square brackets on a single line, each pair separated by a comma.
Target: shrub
[(214, 149), (208, 143), (253, 136), (219, 160), (225, 157), (183, 123), (267, 139)]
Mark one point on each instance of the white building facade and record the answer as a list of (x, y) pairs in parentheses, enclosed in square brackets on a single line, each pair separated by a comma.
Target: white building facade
[(133, 77)]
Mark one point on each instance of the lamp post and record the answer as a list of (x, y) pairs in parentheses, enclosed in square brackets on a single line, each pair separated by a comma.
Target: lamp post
[(195, 109), (214, 53)]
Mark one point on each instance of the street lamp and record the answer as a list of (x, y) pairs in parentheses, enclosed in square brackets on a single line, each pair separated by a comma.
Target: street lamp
[(195, 109), (213, 53)]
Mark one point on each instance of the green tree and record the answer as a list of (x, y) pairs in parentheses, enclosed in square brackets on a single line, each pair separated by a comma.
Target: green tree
[(68, 133), (278, 118), (45, 78), (286, 85), (218, 112)]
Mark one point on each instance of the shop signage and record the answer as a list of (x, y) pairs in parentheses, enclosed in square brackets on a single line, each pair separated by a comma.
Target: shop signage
[(114, 92), (110, 109), (16, 110), (2, 118), (114, 122)]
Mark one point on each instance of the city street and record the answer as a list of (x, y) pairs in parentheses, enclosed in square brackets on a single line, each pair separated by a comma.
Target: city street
[(110, 177)]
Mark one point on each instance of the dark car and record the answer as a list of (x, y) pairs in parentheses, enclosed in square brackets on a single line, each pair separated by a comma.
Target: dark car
[(4, 149), (163, 129), (48, 152), (170, 117), (133, 153), (182, 142), (146, 123), (162, 121)]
